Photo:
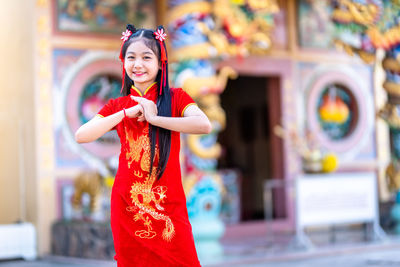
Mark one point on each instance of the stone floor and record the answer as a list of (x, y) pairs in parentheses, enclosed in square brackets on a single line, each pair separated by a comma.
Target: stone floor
[(368, 255), (343, 247)]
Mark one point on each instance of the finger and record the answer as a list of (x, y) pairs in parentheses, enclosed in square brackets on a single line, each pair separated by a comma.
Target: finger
[(134, 99), (143, 101), (138, 99), (139, 109)]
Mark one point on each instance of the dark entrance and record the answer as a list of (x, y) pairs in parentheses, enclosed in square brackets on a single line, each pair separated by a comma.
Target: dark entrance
[(252, 106)]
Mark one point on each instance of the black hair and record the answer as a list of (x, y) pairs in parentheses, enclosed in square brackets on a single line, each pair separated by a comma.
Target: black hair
[(163, 101)]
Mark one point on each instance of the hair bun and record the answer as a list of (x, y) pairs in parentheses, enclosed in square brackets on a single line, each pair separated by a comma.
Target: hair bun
[(131, 28)]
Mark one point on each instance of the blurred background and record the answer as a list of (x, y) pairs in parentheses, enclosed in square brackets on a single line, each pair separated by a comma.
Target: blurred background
[(304, 100)]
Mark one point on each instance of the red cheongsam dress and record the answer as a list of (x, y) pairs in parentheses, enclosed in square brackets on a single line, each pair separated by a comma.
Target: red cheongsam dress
[(149, 219)]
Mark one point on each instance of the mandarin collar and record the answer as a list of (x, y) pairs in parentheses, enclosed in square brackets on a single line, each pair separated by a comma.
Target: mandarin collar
[(135, 91)]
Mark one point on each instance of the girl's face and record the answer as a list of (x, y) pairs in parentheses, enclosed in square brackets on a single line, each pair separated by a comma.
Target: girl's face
[(141, 65)]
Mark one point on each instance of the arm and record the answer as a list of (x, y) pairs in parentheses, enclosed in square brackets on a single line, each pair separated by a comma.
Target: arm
[(98, 126), (194, 121)]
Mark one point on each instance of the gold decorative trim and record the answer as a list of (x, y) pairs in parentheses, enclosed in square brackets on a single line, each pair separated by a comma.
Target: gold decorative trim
[(213, 152), (391, 64), (145, 91), (195, 7), (389, 114), (391, 88), (188, 105), (203, 51), (148, 88)]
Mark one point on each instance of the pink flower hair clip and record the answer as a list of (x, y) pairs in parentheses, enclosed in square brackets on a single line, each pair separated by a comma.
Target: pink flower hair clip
[(125, 35), (160, 35)]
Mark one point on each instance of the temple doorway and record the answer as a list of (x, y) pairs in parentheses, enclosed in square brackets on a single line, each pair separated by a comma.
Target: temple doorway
[(253, 107)]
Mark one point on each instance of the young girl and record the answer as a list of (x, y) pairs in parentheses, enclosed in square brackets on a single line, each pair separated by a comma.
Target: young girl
[(149, 218)]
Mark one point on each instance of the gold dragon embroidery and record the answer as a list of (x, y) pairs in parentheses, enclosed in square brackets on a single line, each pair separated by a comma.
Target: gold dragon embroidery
[(146, 200), (136, 146)]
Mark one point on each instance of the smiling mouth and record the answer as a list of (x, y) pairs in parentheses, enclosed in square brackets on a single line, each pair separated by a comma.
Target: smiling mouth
[(138, 73)]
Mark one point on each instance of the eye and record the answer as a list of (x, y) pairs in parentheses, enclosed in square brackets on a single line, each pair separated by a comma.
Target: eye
[(130, 57), (147, 57)]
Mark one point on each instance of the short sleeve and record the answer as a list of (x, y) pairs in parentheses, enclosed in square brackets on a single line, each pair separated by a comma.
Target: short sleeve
[(182, 101), (108, 109)]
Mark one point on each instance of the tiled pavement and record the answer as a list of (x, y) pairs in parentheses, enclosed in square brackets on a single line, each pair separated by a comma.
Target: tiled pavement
[(372, 255), (368, 255), (256, 251), (58, 262)]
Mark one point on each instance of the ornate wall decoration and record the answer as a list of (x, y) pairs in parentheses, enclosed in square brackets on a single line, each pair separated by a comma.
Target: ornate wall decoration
[(338, 112), (315, 26), (360, 26), (86, 86), (106, 16), (363, 28), (202, 32)]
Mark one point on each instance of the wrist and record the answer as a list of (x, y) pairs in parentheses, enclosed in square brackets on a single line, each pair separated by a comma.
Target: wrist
[(121, 115), (153, 120)]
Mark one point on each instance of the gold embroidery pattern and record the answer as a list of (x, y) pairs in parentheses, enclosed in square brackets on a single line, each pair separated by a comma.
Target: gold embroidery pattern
[(147, 200), (136, 147)]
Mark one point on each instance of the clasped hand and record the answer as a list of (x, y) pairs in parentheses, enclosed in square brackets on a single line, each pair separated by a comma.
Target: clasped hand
[(145, 110)]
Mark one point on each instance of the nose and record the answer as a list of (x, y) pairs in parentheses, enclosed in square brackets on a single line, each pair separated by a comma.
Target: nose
[(137, 63)]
